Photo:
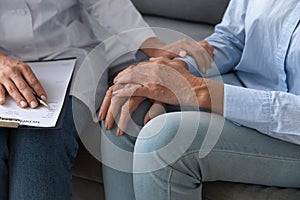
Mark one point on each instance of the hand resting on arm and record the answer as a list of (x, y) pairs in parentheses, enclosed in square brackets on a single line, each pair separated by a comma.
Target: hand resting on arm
[(201, 51)]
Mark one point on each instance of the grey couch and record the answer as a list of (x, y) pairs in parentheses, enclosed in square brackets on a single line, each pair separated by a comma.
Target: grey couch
[(195, 18)]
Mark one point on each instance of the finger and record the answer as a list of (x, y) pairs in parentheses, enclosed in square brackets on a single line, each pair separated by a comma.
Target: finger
[(150, 91), (2, 95), (127, 109), (209, 48), (199, 53), (120, 74), (13, 91), (113, 110), (170, 53), (25, 90), (160, 60), (129, 89), (203, 59), (33, 82), (105, 104), (206, 60), (178, 48), (156, 109)]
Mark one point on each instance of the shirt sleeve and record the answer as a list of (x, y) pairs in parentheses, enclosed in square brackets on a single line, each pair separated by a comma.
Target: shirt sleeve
[(274, 113), (228, 38), (120, 17)]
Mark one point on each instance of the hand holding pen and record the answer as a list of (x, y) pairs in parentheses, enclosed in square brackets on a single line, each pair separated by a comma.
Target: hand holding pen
[(18, 81), (40, 100)]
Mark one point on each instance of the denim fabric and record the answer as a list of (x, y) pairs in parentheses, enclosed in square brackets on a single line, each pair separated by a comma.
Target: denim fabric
[(35, 163), (3, 164), (240, 155), (117, 168)]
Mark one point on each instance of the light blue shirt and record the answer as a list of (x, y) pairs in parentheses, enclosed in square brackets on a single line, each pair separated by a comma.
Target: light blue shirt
[(260, 41)]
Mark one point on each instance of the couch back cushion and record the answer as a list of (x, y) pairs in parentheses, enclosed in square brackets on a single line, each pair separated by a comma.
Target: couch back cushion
[(204, 11)]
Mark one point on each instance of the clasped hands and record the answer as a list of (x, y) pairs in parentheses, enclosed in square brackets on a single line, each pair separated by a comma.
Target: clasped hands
[(161, 80)]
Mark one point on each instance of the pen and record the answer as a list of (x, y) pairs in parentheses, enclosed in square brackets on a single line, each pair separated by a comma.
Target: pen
[(40, 100)]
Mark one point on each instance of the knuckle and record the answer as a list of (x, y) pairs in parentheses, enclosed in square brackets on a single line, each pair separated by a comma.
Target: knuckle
[(33, 81), (11, 89), (125, 109), (111, 88), (22, 86), (184, 40), (109, 92), (2, 75), (2, 91), (24, 67), (131, 67), (11, 70)]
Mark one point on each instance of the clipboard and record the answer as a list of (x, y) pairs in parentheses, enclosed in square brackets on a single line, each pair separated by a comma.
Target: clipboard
[(55, 76)]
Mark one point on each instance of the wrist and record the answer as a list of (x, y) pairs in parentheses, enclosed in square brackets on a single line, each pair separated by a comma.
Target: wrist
[(210, 94)]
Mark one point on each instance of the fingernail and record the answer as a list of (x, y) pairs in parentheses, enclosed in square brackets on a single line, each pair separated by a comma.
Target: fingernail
[(23, 104), (100, 116), (106, 126), (33, 104), (1, 100), (44, 98), (119, 132)]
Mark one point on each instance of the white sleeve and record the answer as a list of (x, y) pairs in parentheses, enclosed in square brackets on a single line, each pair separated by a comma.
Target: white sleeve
[(120, 17)]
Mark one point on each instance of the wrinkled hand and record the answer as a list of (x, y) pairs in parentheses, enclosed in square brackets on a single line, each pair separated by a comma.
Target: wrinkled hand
[(201, 51), (18, 80), (162, 80), (108, 111)]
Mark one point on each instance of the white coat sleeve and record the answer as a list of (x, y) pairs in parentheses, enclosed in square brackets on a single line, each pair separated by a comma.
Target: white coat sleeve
[(120, 17)]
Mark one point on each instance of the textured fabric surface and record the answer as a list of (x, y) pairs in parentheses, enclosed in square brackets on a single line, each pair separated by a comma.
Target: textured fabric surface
[(203, 11)]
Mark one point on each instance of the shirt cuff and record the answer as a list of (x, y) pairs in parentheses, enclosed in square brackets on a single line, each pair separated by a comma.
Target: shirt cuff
[(248, 107)]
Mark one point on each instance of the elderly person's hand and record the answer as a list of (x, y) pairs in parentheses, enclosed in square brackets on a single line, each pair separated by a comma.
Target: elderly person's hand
[(106, 110), (201, 51), (17, 79), (163, 80)]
